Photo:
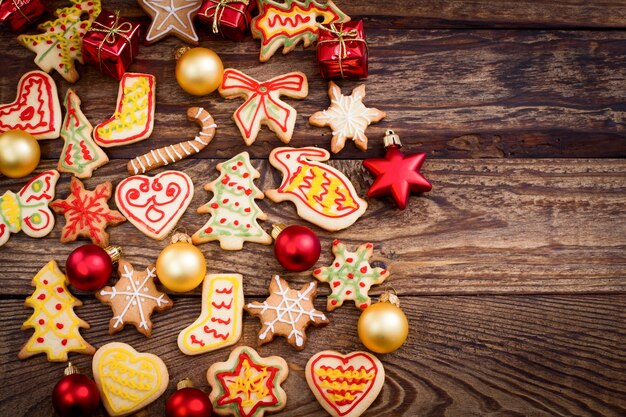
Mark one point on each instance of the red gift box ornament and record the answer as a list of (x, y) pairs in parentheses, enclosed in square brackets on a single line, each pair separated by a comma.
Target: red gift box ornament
[(342, 50), (18, 15), (230, 18), (111, 46)]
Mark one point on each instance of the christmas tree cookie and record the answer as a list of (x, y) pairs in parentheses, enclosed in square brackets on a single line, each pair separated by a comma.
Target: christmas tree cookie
[(233, 211), (55, 323), (350, 276), (62, 42), (80, 155)]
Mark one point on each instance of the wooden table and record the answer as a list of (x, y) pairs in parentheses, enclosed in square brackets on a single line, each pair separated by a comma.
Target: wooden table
[(512, 271)]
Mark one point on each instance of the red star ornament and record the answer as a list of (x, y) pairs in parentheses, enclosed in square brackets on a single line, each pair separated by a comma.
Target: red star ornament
[(397, 174)]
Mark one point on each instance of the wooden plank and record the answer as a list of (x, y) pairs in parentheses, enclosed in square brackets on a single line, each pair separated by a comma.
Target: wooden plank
[(465, 356), (507, 226), (450, 93)]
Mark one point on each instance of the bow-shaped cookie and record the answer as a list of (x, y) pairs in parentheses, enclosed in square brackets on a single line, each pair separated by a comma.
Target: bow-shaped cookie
[(263, 104)]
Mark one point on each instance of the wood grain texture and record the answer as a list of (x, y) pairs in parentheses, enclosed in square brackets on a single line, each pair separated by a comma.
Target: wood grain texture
[(465, 356), (450, 93), (511, 226)]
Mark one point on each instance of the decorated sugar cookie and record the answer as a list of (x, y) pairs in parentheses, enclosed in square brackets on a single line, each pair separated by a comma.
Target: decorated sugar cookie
[(134, 298), (263, 104), (36, 108), (61, 43), (350, 276), (28, 209), (345, 385), (234, 213), (247, 385), (219, 324), (287, 312), (87, 213), (133, 119), (287, 23), (55, 323), (171, 17), (128, 380), (80, 155), (347, 117), (322, 195), (154, 204)]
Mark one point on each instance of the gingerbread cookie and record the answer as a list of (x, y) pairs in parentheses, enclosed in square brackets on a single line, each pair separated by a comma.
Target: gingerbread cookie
[(134, 298), (322, 195), (28, 209), (247, 385), (347, 117), (154, 204), (287, 312), (56, 325), (173, 153), (263, 104), (36, 108), (345, 385), (128, 380), (62, 42), (350, 276), (87, 213), (171, 17), (289, 22), (80, 155), (133, 119), (234, 213), (219, 324)]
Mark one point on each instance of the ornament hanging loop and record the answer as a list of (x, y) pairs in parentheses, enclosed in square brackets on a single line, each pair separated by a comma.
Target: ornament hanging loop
[(180, 237), (391, 139), (389, 297), (184, 383), (70, 369), (179, 52)]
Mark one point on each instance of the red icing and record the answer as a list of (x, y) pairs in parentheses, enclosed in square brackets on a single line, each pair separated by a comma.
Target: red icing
[(41, 297), (58, 306), (223, 305), (40, 340)]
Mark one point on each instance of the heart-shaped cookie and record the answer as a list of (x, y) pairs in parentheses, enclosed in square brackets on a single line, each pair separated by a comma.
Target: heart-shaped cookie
[(345, 385), (128, 380), (154, 204)]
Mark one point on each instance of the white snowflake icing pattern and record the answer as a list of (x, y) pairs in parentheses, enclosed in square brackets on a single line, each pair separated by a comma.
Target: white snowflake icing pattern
[(134, 296), (288, 311)]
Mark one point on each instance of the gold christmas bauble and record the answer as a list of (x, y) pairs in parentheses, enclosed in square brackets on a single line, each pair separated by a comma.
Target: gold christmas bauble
[(383, 326), (199, 71), (19, 153), (181, 266)]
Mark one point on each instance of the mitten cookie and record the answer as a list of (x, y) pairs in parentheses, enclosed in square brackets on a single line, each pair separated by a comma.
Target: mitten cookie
[(247, 385), (322, 195), (287, 312), (134, 298), (55, 323), (87, 213), (233, 211)]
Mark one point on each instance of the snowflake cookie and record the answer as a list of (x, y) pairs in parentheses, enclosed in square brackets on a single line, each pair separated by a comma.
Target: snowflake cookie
[(287, 312), (87, 213), (133, 299), (55, 323), (347, 116), (350, 276), (247, 385)]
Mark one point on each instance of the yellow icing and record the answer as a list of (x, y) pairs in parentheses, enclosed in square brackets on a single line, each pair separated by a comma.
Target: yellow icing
[(250, 383), (131, 377), (10, 208), (349, 374), (134, 109)]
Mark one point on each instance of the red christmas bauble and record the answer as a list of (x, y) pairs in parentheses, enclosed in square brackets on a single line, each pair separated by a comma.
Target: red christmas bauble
[(297, 248), (89, 267), (75, 396), (188, 402)]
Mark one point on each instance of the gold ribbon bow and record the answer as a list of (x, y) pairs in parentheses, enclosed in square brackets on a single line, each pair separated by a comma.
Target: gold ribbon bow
[(116, 29), (220, 6), (351, 35), (19, 9)]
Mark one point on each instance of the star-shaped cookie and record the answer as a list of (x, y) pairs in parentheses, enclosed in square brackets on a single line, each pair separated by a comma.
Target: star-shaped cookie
[(87, 213), (347, 116), (171, 17), (350, 276), (134, 298), (287, 312)]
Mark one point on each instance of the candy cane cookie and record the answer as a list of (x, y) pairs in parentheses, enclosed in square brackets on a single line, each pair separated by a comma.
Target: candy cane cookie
[(173, 153)]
